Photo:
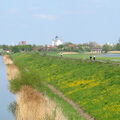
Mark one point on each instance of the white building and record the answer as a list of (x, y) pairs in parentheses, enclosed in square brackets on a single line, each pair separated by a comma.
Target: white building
[(111, 44), (56, 42)]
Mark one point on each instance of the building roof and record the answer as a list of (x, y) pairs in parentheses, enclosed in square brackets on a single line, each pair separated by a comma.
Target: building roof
[(71, 45), (96, 49)]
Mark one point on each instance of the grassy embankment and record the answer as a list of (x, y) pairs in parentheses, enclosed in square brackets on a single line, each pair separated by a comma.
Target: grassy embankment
[(32, 77), (30, 104), (93, 86), (84, 55)]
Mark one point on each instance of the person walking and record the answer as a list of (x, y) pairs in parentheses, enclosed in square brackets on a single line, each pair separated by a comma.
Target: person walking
[(61, 54), (90, 58), (94, 58)]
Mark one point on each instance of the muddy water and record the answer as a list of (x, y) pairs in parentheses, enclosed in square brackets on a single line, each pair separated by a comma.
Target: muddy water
[(5, 96)]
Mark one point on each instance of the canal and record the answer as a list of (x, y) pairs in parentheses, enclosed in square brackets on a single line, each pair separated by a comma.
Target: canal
[(6, 97), (109, 55)]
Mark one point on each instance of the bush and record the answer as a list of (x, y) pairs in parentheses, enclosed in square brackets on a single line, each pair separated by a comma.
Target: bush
[(31, 78)]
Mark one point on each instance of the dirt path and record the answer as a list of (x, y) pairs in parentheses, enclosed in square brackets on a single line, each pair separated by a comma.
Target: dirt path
[(74, 105), (102, 61)]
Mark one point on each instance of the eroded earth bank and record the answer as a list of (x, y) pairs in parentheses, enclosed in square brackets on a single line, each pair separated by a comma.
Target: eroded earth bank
[(30, 104)]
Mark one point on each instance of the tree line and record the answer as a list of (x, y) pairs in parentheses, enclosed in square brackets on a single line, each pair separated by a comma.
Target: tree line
[(85, 47)]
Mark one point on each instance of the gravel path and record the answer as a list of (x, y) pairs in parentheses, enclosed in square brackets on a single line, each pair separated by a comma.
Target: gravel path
[(74, 105)]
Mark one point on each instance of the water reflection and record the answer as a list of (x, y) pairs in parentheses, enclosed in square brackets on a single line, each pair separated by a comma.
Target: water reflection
[(13, 107), (6, 97)]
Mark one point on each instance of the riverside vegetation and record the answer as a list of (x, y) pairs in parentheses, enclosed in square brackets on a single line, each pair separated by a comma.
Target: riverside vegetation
[(30, 103), (94, 86), (34, 103)]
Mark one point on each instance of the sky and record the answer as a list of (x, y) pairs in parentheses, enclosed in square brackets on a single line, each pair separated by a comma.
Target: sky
[(77, 21)]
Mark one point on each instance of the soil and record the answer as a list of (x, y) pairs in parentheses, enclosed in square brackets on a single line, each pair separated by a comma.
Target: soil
[(74, 105), (114, 52)]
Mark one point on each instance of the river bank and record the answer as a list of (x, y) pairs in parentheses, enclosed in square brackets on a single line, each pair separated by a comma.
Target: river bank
[(94, 86), (6, 97), (32, 105)]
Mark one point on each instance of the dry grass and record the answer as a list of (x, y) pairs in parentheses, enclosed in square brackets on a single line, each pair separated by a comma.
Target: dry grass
[(35, 106), (31, 105), (7, 59), (114, 52), (12, 70)]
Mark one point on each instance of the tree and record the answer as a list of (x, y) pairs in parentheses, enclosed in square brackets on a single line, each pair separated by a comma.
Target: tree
[(106, 48), (117, 47), (4, 47), (60, 47), (80, 47), (92, 44), (119, 40), (15, 49)]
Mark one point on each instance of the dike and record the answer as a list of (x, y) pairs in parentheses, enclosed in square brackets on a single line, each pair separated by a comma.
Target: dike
[(31, 105)]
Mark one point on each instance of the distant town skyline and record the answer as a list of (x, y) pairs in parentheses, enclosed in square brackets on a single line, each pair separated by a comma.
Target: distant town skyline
[(79, 21), (52, 42)]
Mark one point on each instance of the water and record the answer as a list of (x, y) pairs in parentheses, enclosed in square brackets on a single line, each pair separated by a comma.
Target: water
[(109, 55), (5, 96)]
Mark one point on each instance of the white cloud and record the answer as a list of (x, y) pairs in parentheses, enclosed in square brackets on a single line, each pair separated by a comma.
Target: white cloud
[(45, 16), (80, 12), (14, 11), (3, 17), (34, 8), (14, 25), (99, 3), (94, 3)]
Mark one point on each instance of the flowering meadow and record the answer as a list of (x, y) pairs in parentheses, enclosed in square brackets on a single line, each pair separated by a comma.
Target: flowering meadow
[(94, 86)]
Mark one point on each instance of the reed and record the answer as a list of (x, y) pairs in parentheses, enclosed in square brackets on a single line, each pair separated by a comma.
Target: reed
[(31, 104)]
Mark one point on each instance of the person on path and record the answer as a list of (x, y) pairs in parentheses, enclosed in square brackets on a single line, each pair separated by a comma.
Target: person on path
[(61, 54), (94, 58), (90, 58)]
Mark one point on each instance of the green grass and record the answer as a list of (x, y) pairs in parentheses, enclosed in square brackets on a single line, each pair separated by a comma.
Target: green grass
[(30, 76), (67, 109), (94, 86), (83, 55)]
